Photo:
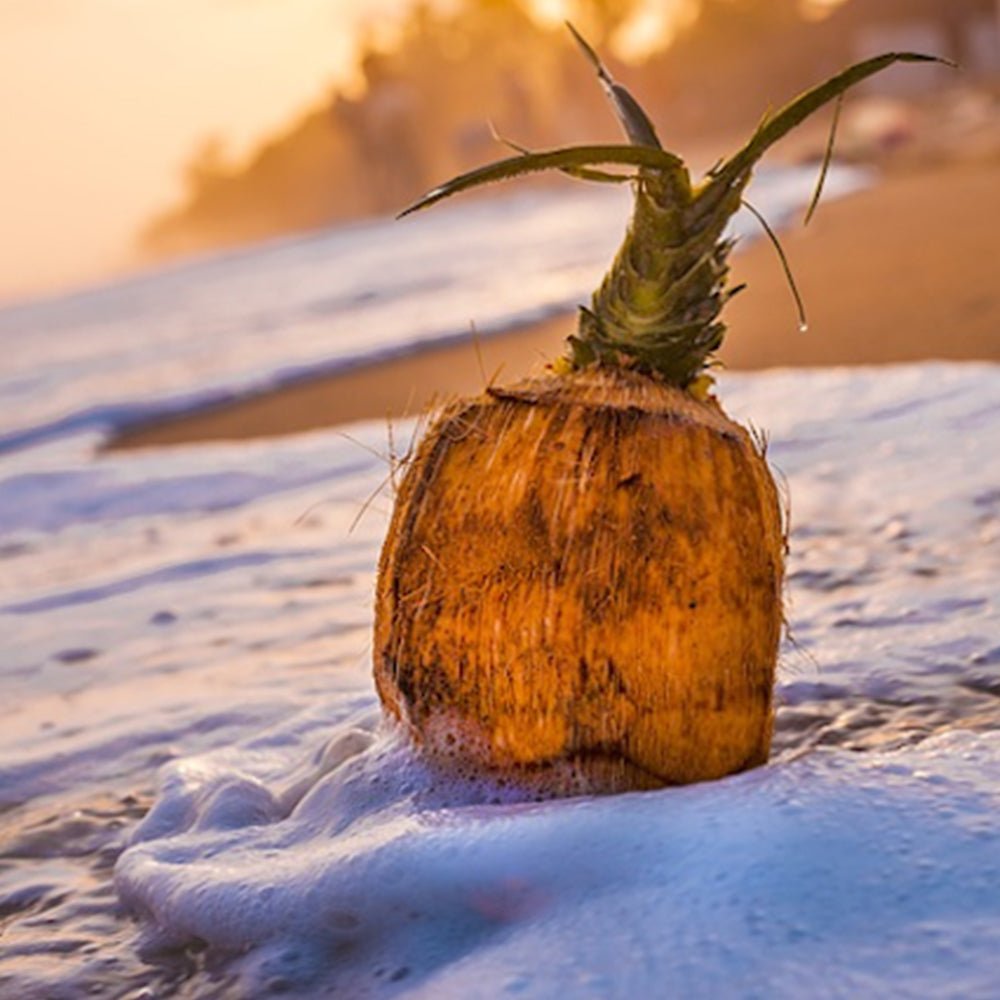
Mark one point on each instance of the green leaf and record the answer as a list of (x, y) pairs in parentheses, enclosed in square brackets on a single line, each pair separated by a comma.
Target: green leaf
[(580, 173), (786, 267), (827, 157), (633, 120), (778, 125), (567, 159)]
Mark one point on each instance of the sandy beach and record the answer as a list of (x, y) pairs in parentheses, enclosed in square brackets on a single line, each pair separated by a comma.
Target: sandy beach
[(903, 271)]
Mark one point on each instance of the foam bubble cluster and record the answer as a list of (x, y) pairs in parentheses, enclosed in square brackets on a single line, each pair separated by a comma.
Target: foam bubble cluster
[(365, 871)]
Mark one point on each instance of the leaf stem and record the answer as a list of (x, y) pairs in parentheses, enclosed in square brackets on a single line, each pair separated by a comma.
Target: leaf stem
[(827, 157), (776, 243)]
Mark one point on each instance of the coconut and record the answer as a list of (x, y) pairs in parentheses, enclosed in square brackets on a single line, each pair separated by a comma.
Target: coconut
[(582, 581)]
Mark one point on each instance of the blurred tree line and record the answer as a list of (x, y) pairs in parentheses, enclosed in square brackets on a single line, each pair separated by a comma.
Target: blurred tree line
[(425, 110)]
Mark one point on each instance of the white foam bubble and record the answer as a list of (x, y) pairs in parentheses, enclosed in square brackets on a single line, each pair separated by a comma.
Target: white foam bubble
[(385, 876)]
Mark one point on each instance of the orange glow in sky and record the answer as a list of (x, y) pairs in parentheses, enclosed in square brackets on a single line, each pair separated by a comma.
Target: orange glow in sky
[(652, 25), (102, 102)]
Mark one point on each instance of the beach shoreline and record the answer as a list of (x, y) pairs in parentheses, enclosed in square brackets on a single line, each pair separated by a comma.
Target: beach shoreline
[(902, 271)]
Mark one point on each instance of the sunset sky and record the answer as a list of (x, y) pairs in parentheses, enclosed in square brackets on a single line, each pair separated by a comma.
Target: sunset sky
[(103, 101)]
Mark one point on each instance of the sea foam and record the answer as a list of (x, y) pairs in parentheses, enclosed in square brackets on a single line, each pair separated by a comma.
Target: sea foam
[(364, 873)]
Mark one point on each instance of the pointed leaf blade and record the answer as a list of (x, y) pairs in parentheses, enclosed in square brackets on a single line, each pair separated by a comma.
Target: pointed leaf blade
[(778, 125), (568, 158)]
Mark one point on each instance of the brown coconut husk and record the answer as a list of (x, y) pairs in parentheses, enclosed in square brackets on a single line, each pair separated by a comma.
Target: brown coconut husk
[(581, 587)]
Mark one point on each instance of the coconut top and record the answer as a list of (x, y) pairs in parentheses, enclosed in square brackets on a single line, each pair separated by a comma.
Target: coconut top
[(618, 388), (658, 308)]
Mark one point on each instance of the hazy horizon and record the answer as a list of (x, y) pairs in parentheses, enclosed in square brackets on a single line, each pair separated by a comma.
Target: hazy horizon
[(104, 103)]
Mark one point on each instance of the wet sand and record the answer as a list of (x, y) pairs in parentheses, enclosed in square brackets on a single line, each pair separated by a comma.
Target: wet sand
[(905, 271)]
